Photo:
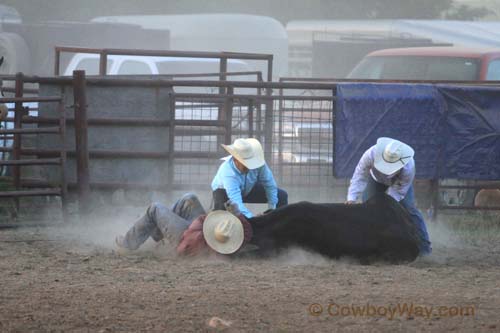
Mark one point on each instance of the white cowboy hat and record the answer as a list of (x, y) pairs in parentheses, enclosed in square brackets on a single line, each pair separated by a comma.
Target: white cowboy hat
[(4, 111), (223, 231), (248, 151), (391, 155)]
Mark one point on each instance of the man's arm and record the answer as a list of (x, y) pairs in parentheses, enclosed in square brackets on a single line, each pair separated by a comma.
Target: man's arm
[(399, 189), (266, 178), (247, 229), (232, 187), (359, 179)]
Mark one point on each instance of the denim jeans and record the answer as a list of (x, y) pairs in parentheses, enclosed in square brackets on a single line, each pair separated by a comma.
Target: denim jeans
[(408, 203), (160, 222), (256, 195)]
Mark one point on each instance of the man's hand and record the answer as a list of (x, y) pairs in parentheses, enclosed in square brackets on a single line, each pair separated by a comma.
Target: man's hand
[(232, 207), (351, 202)]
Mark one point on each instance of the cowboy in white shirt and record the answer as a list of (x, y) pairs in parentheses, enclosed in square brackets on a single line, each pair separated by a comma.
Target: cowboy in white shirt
[(389, 167)]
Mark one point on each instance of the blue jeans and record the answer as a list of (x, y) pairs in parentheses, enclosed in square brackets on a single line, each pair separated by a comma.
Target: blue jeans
[(256, 195), (408, 203), (161, 222)]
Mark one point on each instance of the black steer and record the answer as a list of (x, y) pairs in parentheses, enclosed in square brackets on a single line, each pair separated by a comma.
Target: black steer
[(380, 229)]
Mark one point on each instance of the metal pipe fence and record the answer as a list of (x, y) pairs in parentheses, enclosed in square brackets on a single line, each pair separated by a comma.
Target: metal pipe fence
[(222, 56), (295, 121), (18, 160)]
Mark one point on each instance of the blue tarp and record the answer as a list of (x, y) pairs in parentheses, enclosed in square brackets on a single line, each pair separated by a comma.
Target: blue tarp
[(455, 131)]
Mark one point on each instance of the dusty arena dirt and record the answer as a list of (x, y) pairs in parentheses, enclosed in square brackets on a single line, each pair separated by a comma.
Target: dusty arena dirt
[(71, 279)]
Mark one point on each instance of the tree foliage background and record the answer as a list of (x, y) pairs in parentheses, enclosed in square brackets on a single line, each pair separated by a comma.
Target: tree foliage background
[(283, 10)]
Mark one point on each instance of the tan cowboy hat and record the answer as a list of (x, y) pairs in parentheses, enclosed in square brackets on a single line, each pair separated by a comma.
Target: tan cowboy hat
[(223, 231), (247, 151), (391, 155), (4, 111)]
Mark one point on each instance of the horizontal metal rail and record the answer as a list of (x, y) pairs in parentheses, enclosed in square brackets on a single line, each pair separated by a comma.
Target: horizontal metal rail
[(30, 193), (30, 99), (302, 109), (40, 130), (217, 74), (164, 82), (113, 154), (258, 73), (119, 185), (285, 83), (199, 105), (99, 121), (49, 161), (222, 56), (13, 90), (30, 108), (165, 53), (126, 121), (469, 207), (191, 96), (333, 80)]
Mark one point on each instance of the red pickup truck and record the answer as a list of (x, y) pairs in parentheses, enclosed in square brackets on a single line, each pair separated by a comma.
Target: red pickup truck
[(430, 63)]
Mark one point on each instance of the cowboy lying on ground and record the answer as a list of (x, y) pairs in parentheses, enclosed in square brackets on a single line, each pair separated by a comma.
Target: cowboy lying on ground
[(189, 227), (389, 167), (380, 229), (245, 177)]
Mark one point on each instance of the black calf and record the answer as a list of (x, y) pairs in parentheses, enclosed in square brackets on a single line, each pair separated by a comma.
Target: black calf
[(379, 229)]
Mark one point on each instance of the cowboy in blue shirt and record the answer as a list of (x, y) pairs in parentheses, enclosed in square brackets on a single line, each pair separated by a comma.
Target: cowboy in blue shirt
[(245, 177)]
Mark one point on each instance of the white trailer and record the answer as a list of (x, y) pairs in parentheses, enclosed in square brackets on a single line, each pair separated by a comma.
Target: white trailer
[(219, 33)]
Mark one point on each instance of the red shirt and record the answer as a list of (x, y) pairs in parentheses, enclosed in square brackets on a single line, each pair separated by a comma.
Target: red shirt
[(193, 243)]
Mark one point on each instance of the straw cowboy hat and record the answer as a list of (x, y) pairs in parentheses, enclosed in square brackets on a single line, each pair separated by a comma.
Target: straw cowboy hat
[(248, 151), (4, 110), (223, 231), (391, 155)]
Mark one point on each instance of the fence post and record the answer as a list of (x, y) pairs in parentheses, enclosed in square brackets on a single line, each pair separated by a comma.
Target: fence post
[(16, 151), (82, 153), (57, 61), (228, 114), (268, 129), (280, 136), (171, 141), (62, 133), (334, 129), (103, 63), (222, 77), (250, 117), (258, 122), (222, 90), (269, 117)]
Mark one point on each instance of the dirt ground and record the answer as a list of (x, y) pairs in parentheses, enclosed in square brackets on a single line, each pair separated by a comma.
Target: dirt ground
[(71, 279)]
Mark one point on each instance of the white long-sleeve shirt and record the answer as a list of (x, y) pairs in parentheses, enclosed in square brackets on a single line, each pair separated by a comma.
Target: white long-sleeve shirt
[(398, 184)]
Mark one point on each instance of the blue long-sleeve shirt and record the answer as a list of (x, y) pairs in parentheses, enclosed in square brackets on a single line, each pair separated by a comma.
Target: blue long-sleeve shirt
[(238, 185)]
